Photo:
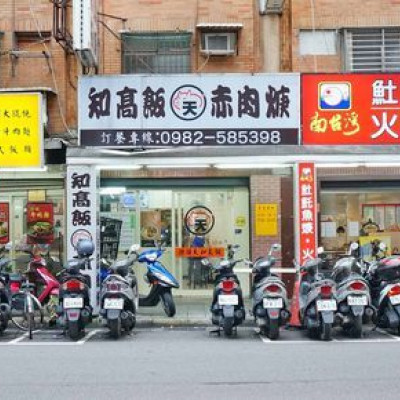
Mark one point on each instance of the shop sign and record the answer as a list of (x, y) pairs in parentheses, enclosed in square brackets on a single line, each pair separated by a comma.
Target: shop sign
[(306, 212), (82, 218), (40, 223), (266, 218), (199, 220), (189, 110), (199, 252), (4, 223), (21, 130), (340, 109)]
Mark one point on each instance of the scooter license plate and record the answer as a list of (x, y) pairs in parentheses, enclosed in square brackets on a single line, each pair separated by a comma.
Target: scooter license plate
[(273, 303), (326, 305), (228, 299), (113, 304), (73, 302), (395, 299), (357, 300)]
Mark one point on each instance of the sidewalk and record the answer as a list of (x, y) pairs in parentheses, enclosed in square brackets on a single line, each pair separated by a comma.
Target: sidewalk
[(189, 312)]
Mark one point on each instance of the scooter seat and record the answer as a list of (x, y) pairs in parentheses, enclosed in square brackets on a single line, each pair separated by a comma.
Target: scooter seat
[(122, 267)]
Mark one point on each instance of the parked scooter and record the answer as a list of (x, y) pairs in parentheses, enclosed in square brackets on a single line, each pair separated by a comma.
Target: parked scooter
[(75, 311), (269, 296), (352, 294), (46, 285), (383, 277), (119, 295), (317, 301), (160, 280), (5, 295), (227, 307)]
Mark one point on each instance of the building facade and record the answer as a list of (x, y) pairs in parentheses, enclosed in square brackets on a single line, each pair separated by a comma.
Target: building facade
[(152, 189)]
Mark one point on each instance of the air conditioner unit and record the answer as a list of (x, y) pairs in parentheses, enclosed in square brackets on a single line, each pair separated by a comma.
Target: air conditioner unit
[(85, 31), (271, 6), (219, 44)]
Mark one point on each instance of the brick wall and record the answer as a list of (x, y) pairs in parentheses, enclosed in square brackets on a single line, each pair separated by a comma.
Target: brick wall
[(264, 189), (141, 15), (333, 14)]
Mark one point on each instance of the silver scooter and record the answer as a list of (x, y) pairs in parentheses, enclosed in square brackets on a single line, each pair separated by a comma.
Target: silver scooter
[(317, 301), (270, 305), (352, 294), (119, 298)]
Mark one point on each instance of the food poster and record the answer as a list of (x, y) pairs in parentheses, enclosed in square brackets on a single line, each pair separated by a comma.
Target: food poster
[(150, 228), (40, 223), (4, 223)]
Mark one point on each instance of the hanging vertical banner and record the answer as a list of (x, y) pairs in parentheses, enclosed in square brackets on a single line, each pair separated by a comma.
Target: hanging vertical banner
[(266, 218), (81, 188), (4, 223), (40, 223), (306, 212)]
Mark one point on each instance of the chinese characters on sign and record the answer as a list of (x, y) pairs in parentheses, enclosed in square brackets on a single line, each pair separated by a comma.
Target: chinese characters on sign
[(306, 208), (81, 191), (230, 109), (4, 223), (200, 252), (21, 130), (266, 218), (351, 109), (40, 223)]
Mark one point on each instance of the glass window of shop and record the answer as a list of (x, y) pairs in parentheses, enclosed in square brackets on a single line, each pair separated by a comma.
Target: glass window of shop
[(184, 220), (366, 216), (43, 228)]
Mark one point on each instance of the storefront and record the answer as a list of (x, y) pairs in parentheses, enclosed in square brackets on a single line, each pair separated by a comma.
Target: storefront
[(184, 216)]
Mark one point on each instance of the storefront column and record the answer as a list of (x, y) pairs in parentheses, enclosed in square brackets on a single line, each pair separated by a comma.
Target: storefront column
[(264, 189), (82, 193)]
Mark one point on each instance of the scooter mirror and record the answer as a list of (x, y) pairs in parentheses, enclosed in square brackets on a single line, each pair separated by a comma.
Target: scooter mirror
[(276, 247), (205, 261), (354, 246), (247, 262), (134, 248), (320, 250), (382, 246), (224, 263)]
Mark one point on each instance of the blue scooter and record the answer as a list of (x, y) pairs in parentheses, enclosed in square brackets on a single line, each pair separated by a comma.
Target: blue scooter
[(160, 280)]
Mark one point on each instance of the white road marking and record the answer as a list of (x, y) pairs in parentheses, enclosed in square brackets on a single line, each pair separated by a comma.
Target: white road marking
[(21, 338), (388, 334), (89, 335)]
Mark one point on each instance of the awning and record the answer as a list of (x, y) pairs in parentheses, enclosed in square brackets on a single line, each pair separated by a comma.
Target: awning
[(219, 27)]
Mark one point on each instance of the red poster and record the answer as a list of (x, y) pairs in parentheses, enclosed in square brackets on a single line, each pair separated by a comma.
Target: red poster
[(4, 223), (306, 212), (40, 223), (342, 109)]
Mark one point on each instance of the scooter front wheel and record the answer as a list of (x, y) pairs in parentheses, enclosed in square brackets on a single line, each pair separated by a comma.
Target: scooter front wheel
[(74, 330), (228, 326), (326, 333), (115, 327), (356, 329), (168, 304), (273, 330)]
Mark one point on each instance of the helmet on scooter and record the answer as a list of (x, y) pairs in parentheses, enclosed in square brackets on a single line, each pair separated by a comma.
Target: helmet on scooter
[(85, 248)]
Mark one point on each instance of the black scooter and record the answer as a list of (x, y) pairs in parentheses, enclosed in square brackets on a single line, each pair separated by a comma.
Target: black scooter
[(227, 307), (5, 295), (74, 311)]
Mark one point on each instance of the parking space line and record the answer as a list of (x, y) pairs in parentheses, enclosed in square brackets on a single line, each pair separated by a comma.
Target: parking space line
[(388, 334), (21, 338), (89, 335)]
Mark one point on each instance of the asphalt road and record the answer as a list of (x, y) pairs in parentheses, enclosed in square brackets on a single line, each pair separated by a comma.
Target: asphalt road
[(188, 363)]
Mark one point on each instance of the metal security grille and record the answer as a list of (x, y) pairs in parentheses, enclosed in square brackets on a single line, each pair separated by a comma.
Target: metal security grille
[(156, 53), (372, 50)]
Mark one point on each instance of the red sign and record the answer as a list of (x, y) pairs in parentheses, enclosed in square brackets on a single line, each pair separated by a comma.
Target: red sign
[(345, 109), (200, 252), (40, 223), (306, 234), (4, 223)]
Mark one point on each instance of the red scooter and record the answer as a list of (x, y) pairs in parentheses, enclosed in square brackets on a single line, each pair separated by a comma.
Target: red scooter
[(46, 285)]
